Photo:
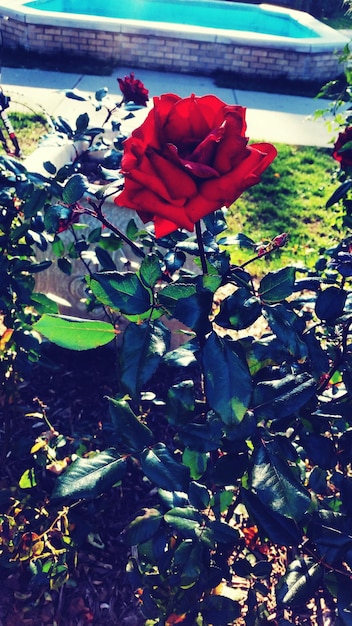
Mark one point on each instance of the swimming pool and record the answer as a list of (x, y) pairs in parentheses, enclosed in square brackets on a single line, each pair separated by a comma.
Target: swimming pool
[(219, 15), (200, 36)]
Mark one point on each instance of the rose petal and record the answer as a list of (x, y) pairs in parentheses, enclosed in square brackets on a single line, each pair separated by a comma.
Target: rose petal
[(178, 183)]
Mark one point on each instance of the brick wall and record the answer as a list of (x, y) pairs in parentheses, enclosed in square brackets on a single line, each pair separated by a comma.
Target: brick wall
[(170, 53)]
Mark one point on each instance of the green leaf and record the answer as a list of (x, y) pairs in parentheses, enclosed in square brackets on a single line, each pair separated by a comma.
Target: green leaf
[(150, 270), (28, 479), (49, 167), (142, 350), (196, 461), (65, 265), (54, 215), (330, 304), (129, 429), (229, 468), (105, 259), (219, 610), (239, 310), (73, 333), (143, 527), (121, 291), (180, 403), (276, 286), (75, 188), (202, 437), (274, 399), (339, 193), (161, 467), (82, 123), (187, 520), (89, 477), (187, 562), (283, 322), (190, 302), (224, 533), (227, 379), (275, 483), (43, 304), (300, 583), (279, 529), (183, 356)]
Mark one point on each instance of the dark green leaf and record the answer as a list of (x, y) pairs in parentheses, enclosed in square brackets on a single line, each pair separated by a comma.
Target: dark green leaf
[(105, 259), (330, 304), (282, 322), (50, 167), (276, 286), (161, 467), (274, 399), (142, 350), (180, 402), (150, 270), (229, 468), (54, 215), (185, 519), (121, 291), (199, 495), (196, 461), (75, 188), (65, 265), (339, 193), (82, 123), (276, 527), (202, 437), (187, 562), (239, 310), (228, 381), (89, 477), (143, 527), (300, 582), (219, 610), (129, 430), (182, 356), (275, 483), (224, 533)]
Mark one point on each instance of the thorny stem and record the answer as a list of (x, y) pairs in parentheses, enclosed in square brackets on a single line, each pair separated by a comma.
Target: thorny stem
[(86, 265), (338, 360), (101, 218), (201, 248)]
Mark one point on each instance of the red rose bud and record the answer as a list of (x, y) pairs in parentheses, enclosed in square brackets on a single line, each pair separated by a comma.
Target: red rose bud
[(133, 90), (343, 148), (280, 240), (189, 158)]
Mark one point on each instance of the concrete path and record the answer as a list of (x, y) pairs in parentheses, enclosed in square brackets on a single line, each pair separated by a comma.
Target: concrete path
[(270, 117)]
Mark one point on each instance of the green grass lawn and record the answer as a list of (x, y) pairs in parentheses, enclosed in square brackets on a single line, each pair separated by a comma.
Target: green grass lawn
[(290, 198), (29, 129)]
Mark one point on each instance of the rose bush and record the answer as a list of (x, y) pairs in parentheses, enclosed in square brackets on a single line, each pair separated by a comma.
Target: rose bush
[(189, 158), (343, 148)]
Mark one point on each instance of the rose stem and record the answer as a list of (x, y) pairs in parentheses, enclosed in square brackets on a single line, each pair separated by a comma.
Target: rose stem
[(201, 248), (136, 249)]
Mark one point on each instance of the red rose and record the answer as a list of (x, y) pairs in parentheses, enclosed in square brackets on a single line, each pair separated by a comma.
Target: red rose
[(189, 158), (133, 90), (342, 151)]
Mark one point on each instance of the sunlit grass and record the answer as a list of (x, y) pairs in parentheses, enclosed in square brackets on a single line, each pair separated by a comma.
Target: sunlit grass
[(29, 129), (291, 197)]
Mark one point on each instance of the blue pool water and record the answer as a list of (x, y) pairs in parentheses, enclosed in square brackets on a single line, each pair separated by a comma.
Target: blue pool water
[(217, 15)]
